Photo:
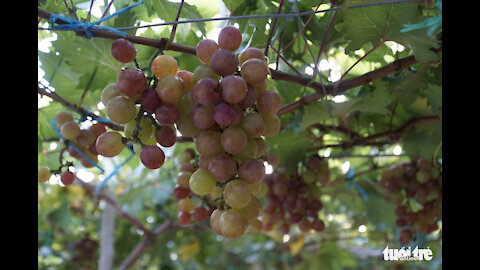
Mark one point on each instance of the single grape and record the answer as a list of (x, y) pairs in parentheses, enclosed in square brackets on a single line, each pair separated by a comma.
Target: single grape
[(204, 49), (204, 71), (62, 117), (202, 182), (272, 125), (236, 193), (184, 218), (232, 224), (222, 167), (132, 81), (183, 178), (110, 91), (164, 65), (186, 205), (250, 98), (152, 157), (253, 125), (70, 130), (250, 53), (233, 140), (318, 225), (254, 70), (202, 116), (224, 62), (98, 129), (165, 136), (229, 38), (186, 127), (121, 109), (67, 178), (200, 214), (234, 89), (86, 138), (252, 210), (149, 100), (204, 92), (187, 78), (261, 147), (305, 225), (250, 151), (405, 236), (252, 171), (44, 174), (225, 115), (123, 50), (214, 220), (170, 89), (180, 192), (109, 144), (269, 102), (208, 143), (167, 114)]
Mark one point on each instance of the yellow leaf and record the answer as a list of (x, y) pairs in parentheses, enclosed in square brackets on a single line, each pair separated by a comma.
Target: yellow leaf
[(189, 250), (296, 246)]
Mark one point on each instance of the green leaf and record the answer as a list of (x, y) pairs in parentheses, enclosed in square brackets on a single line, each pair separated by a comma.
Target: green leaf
[(422, 140), (378, 209), (61, 215), (289, 153), (434, 95), (381, 23)]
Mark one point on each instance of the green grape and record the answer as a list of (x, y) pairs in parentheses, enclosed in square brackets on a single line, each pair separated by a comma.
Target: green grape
[(121, 109), (215, 193), (214, 220), (202, 182), (109, 144), (233, 140), (272, 125), (44, 174), (170, 89), (204, 71), (232, 224), (70, 130), (62, 117), (236, 193), (208, 143), (186, 205), (252, 209)]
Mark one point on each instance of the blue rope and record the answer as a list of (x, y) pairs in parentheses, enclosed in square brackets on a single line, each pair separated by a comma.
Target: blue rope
[(350, 177), (431, 23), (53, 122), (115, 171), (75, 25)]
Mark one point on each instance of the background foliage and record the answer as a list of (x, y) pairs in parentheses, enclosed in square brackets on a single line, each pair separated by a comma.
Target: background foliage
[(78, 69)]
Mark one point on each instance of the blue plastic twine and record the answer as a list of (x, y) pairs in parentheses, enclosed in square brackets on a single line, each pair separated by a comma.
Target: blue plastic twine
[(350, 177), (75, 25), (130, 147), (115, 171), (53, 122), (431, 23)]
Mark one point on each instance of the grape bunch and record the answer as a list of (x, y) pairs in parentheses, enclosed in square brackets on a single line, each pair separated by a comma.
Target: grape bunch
[(295, 198), (84, 140), (188, 200), (227, 113), (415, 188), (232, 206)]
